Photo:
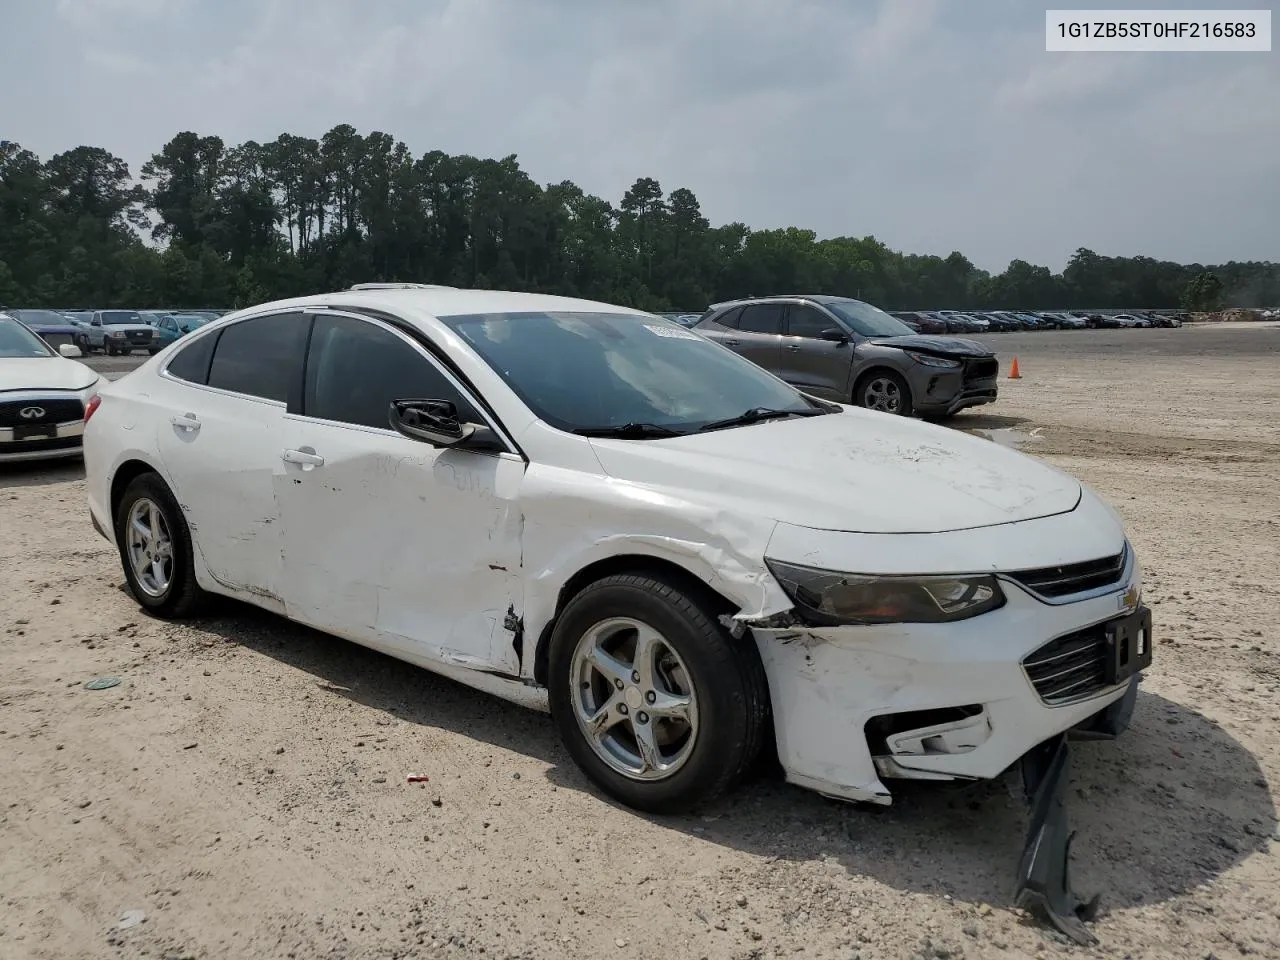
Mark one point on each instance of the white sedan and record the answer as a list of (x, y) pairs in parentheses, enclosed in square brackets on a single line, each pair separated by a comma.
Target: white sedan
[(586, 508), (43, 394)]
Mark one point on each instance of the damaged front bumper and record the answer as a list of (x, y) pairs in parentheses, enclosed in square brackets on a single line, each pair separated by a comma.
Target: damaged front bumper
[(854, 706)]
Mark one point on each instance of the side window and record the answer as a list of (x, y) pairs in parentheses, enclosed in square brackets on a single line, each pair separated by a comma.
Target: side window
[(261, 357), (191, 363), (96, 321), (761, 318), (805, 321), (356, 368), (729, 318)]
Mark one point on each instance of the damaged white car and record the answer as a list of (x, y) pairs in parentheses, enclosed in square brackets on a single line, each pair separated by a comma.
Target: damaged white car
[(588, 508)]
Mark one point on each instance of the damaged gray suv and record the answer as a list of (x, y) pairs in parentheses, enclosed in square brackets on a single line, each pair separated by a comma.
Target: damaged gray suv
[(851, 352)]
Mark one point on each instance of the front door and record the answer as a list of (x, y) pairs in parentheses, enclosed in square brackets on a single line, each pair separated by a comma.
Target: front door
[(808, 362), (388, 540)]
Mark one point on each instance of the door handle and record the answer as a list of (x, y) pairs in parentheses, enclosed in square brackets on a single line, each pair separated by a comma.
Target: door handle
[(732, 343), (305, 458), (792, 347), (188, 421)]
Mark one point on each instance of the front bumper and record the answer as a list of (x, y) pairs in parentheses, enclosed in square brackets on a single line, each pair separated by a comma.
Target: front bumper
[(67, 443), (926, 701), (944, 392)]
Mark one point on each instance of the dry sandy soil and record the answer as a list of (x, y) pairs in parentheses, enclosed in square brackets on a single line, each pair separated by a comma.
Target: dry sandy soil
[(244, 787)]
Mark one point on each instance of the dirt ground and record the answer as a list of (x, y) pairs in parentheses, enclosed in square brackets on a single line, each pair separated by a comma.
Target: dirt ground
[(244, 787)]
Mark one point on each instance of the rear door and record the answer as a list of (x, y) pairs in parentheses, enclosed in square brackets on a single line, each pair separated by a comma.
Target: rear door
[(808, 362), (757, 334), (221, 439)]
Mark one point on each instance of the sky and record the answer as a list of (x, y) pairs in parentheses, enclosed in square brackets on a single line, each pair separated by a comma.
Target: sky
[(934, 125)]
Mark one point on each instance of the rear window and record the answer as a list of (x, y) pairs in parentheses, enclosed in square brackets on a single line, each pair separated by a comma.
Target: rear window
[(261, 357), (191, 363)]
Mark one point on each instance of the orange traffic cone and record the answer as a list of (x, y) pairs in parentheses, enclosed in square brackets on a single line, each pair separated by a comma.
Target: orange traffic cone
[(1013, 370)]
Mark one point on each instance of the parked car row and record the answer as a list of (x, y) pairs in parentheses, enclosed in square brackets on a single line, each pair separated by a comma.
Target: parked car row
[(1007, 321), (113, 332)]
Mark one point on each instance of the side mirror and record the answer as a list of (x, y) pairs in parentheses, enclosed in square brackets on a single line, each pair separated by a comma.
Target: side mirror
[(834, 335), (431, 421), (70, 351)]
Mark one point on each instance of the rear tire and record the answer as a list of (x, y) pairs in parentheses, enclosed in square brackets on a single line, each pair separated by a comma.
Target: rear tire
[(167, 590), (885, 391), (726, 718)]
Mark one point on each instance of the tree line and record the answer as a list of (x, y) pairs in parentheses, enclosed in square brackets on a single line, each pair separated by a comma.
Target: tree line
[(208, 224)]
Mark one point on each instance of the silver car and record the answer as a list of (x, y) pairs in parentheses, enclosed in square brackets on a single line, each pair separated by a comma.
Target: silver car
[(849, 351)]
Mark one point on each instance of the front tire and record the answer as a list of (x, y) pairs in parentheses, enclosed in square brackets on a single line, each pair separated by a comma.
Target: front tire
[(657, 704), (884, 391), (155, 550)]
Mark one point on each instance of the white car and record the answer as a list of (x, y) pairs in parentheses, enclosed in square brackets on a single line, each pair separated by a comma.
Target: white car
[(586, 508), (43, 394)]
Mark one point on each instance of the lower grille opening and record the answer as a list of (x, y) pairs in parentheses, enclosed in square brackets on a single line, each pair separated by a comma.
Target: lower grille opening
[(1070, 667), (879, 729)]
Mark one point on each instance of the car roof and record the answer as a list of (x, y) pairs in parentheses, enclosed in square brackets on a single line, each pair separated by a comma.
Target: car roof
[(812, 297), (442, 302)]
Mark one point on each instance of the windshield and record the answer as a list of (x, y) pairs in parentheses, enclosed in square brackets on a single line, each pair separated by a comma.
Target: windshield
[(594, 371), (16, 341), (120, 316), (868, 321), (189, 321)]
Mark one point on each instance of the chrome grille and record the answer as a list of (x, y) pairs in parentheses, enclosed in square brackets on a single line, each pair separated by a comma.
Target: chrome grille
[(59, 410), (1073, 578), (1070, 667)]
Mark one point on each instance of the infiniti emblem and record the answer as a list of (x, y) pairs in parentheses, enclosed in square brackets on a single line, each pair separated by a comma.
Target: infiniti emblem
[(31, 413)]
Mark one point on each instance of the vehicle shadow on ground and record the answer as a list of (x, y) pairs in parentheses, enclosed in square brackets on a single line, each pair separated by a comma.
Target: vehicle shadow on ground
[(984, 421), (1171, 805), (40, 473)]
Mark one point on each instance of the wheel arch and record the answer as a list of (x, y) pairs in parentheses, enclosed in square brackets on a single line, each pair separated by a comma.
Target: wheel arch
[(636, 563), (125, 474), (869, 372)]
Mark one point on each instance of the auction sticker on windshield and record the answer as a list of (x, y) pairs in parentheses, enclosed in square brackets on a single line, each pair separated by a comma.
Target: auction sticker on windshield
[(674, 333)]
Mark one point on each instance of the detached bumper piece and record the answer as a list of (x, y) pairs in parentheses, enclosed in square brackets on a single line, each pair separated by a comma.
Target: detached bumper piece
[(1044, 882)]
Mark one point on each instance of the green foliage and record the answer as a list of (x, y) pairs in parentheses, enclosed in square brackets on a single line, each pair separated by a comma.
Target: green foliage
[(1203, 292), (231, 226)]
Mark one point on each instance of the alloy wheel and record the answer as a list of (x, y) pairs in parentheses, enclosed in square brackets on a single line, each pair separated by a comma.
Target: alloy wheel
[(882, 394), (633, 699), (150, 547)]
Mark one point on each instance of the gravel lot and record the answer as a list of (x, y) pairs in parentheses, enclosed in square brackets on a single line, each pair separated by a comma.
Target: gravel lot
[(245, 786)]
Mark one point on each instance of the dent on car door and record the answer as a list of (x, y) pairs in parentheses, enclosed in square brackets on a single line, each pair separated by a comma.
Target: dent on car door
[(810, 363), (388, 540), (220, 438)]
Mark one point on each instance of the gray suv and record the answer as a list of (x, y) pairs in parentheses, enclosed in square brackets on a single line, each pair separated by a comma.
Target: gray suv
[(851, 352)]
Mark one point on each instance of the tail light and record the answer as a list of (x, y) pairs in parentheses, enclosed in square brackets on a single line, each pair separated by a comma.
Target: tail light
[(94, 402)]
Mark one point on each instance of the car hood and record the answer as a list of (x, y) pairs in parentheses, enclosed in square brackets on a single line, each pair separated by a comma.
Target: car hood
[(856, 471), (44, 373), (939, 346)]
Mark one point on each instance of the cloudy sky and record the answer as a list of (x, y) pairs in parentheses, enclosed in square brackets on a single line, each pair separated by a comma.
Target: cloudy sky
[(932, 124)]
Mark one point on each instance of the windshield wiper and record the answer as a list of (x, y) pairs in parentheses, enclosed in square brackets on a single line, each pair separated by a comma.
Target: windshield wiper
[(756, 414), (630, 431)]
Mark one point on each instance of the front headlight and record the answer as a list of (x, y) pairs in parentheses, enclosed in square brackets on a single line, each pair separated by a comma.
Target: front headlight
[(116, 334), (929, 361), (830, 598)]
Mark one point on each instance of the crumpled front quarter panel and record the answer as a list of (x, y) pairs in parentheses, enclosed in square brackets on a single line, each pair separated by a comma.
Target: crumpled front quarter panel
[(573, 519)]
